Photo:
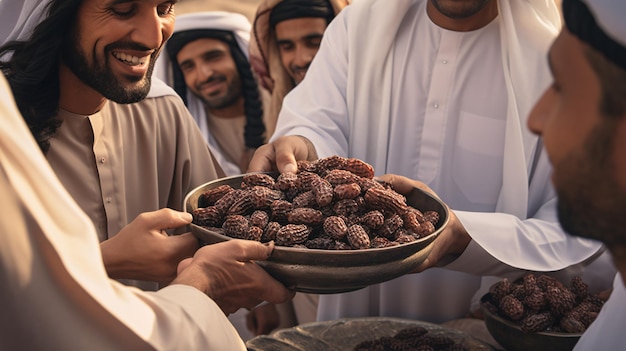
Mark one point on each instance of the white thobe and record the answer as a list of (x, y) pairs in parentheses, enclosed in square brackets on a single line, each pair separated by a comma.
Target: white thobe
[(56, 294), (607, 331), (391, 88)]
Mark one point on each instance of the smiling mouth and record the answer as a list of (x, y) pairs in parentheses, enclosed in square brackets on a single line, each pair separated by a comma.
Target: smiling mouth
[(130, 59)]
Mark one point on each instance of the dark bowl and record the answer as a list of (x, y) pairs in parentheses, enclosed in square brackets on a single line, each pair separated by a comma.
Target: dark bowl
[(512, 338), (334, 271), (345, 334)]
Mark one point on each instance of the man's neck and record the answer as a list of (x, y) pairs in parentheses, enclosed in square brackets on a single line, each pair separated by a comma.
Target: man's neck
[(476, 21), (75, 96)]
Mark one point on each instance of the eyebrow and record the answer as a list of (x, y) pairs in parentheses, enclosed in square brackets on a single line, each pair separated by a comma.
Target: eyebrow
[(306, 37), (212, 52)]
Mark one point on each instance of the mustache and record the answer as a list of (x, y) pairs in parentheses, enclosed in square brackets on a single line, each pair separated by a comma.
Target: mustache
[(212, 79)]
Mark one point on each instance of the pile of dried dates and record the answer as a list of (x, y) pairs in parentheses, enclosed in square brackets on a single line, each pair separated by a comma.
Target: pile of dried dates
[(413, 338), (332, 203), (543, 304)]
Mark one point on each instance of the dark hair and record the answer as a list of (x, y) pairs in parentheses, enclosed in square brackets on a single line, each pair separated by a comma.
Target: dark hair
[(290, 9), (254, 131), (33, 69), (612, 83)]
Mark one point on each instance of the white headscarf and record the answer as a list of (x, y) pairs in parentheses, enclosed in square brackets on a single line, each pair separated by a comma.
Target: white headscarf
[(18, 19), (236, 23)]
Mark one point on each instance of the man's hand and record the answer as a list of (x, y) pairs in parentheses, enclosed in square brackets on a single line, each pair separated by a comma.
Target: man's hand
[(453, 239), (227, 273), (282, 154), (142, 250), (263, 319)]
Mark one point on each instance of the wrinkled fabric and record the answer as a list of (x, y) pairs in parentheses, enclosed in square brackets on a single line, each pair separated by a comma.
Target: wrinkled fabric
[(56, 293), (363, 100), (127, 159), (607, 331)]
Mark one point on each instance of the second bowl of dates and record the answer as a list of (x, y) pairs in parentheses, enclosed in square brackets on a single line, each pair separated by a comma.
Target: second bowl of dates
[(322, 264), (539, 313)]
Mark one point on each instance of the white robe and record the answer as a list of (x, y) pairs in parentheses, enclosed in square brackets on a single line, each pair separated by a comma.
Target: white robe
[(56, 294), (607, 331), (356, 102)]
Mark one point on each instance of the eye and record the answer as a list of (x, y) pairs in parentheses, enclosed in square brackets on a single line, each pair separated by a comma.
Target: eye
[(315, 43), (166, 8), (186, 65), (285, 46), (123, 10)]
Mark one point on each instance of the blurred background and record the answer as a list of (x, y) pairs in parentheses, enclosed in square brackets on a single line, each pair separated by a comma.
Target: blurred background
[(245, 7)]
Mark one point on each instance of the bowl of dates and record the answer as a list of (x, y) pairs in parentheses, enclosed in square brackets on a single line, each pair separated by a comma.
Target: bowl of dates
[(538, 312), (335, 228), (367, 334)]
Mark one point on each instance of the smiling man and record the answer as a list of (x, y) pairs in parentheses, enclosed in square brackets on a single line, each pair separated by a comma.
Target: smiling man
[(207, 65), (121, 142)]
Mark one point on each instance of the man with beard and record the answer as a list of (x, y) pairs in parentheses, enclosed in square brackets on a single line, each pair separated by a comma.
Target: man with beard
[(438, 91), (122, 146), (582, 120), (207, 65), (285, 38)]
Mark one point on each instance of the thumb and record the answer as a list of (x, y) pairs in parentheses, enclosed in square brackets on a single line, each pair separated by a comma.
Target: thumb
[(167, 218), (254, 250), (183, 265)]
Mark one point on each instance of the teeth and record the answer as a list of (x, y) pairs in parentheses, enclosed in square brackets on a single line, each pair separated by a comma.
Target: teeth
[(133, 60)]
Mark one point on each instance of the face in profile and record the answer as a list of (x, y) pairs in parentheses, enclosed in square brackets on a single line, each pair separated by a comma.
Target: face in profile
[(585, 146), (115, 44), (298, 41), (210, 72)]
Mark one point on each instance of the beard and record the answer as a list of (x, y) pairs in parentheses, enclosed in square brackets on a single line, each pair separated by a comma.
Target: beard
[(457, 9), (591, 203), (100, 77), (232, 95)]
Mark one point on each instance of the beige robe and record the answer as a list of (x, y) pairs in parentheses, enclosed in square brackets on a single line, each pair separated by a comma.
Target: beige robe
[(129, 159), (55, 291)]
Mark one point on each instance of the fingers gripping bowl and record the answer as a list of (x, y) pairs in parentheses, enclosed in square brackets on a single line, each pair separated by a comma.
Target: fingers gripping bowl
[(330, 269)]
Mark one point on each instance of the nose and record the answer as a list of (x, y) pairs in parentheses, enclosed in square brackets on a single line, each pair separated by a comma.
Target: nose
[(151, 29), (303, 56), (204, 72)]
